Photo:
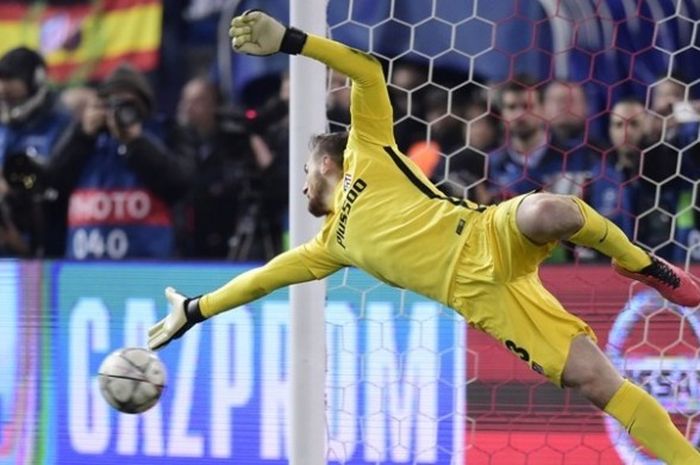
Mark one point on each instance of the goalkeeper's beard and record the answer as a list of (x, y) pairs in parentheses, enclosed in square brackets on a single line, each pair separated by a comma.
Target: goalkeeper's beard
[(317, 208), (319, 198)]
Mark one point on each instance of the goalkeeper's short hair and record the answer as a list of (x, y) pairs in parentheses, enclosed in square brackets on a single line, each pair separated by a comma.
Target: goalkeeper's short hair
[(332, 144)]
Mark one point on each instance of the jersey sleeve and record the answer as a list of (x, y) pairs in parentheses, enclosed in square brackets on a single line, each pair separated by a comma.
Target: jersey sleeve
[(304, 263), (370, 108), (317, 259)]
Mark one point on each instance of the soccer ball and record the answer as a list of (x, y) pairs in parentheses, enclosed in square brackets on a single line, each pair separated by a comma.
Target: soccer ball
[(132, 379)]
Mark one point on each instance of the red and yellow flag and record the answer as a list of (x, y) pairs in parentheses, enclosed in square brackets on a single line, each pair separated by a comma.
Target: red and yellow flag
[(86, 39)]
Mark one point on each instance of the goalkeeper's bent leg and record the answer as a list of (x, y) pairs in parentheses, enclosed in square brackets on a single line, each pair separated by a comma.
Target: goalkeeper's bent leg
[(603, 235), (589, 371), (647, 422)]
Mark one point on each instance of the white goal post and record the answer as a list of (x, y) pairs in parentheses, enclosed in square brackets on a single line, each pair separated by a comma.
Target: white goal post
[(307, 116)]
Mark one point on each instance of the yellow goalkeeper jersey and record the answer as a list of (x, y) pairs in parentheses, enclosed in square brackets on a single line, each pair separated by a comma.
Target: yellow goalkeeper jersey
[(388, 219)]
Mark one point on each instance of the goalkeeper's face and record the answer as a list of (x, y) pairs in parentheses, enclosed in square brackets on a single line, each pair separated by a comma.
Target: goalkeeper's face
[(317, 189)]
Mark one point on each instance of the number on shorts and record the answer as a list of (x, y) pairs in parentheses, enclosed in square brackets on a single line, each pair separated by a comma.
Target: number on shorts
[(519, 351)]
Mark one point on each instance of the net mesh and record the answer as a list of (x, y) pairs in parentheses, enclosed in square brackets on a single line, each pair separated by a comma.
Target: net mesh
[(494, 99)]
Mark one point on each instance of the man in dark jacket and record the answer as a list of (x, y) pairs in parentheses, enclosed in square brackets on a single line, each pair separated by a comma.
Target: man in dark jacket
[(32, 222), (218, 146), (120, 179)]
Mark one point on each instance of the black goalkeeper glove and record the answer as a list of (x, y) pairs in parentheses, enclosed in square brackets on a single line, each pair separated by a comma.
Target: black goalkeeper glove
[(184, 313)]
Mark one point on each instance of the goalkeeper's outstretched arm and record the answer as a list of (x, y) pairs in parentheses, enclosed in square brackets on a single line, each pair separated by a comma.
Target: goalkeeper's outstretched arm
[(257, 33), (298, 265)]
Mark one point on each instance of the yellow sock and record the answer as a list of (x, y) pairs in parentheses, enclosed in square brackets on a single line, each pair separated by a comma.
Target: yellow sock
[(648, 423), (603, 235)]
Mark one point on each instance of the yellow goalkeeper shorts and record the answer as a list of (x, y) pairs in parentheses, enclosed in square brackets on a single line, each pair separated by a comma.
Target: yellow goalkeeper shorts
[(498, 290)]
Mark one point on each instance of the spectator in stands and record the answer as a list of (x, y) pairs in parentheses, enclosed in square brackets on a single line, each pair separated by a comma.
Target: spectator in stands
[(120, 179), (404, 80), (338, 102), (665, 93), (483, 132), (662, 124), (455, 166), (269, 213), (677, 124), (565, 109), (526, 161), (468, 166), (76, 100), (647, 197), (32, 219), (445, 136), (671, 124), (219, 149), (608, 193)]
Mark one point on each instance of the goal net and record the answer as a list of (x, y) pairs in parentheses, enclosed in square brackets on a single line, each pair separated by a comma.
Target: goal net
[(494, 99)]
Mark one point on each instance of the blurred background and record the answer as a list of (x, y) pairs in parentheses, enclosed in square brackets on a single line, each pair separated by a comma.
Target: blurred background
[(137, 151), (569, 70)]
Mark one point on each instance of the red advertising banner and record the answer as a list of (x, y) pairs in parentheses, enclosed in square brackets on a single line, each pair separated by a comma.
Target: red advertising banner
[(518, 417)]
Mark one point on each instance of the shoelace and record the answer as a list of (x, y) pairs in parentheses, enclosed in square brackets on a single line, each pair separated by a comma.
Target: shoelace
[(664, 273)]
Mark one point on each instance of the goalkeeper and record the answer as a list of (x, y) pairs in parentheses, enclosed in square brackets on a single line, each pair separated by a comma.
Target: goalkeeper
[(384, 216)]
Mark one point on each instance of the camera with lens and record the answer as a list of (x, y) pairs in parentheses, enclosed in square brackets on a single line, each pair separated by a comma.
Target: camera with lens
[(24, 171), (253, 121), (127, 112)]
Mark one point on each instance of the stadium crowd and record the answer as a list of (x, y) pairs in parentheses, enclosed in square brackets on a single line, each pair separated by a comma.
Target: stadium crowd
[(97, 172)]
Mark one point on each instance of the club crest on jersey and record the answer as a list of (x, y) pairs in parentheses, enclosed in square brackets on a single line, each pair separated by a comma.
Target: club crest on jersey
[(347, 181)]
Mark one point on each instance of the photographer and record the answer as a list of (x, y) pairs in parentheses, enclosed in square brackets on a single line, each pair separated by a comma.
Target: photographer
[(32, 219), (217, 144), (260, 232), (237, 206), (120, 179)]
